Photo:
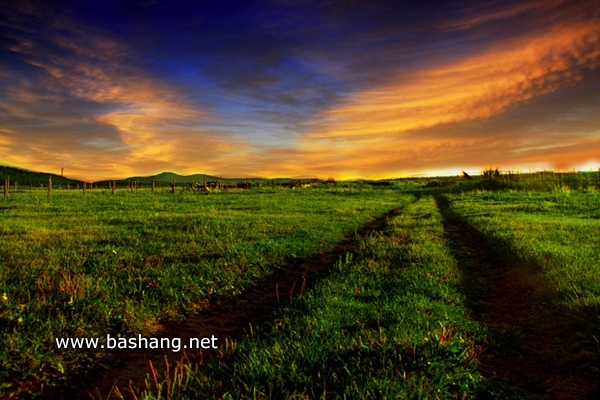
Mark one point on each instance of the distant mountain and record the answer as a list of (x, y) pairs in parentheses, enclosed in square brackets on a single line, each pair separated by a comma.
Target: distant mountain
[(168, 177), (26, 177)]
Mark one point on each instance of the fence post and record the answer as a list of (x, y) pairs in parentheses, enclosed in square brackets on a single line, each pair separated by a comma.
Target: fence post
[(83, 186), (114, 187), (49, 186), (173, 187), (152, 186), (15, 184), (5, 187)]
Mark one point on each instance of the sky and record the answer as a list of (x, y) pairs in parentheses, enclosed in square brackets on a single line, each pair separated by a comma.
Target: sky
[(294, 88)]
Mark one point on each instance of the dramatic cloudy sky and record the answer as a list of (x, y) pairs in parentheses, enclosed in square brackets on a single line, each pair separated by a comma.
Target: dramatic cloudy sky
[(270, 88)]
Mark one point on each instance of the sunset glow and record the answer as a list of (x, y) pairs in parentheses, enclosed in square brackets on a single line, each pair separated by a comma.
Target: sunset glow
[(314, 89)]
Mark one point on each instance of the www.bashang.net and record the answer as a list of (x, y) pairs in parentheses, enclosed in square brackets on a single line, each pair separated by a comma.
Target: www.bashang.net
[(139, 342)]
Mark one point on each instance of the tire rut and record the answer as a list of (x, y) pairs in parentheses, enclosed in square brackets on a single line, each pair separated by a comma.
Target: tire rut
[(226, 319), (528, 335)]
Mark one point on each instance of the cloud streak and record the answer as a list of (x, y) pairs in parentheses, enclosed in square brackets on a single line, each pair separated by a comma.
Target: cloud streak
[(395, 122), (478, 87), (122, 119)]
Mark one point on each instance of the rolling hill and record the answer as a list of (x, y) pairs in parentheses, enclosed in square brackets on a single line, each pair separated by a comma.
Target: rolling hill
[(27, 177)]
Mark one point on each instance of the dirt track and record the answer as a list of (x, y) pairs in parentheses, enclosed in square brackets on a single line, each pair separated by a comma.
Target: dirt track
[(521, 348), (529, 342), (225, 319)]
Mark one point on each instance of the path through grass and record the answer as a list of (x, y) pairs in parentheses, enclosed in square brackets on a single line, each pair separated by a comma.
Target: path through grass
[(389, 321), (74, 266), (530, 261)]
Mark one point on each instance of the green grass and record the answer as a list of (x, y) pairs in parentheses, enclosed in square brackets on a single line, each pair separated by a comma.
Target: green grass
[(391, 320), (388, 322), (553, 236), (555, 231), (75, 266)]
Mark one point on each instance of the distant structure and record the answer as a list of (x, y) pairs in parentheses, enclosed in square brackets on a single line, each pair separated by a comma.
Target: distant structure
[(62, 170), (299, 184)]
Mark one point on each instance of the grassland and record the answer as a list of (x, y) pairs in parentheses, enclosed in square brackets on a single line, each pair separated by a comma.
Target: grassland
[(389, 322), (75, 266), (554, 232), (491, 294), (548, 242), (477, 288)]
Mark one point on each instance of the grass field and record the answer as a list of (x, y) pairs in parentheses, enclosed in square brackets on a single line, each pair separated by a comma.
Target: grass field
[(389, 322), (549, 243), (75, 266), (464, 293)]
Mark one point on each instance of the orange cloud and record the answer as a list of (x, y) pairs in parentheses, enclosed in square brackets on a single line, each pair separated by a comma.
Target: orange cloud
[(156, 128), (5, 143), (386, 129), (477, 87)]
